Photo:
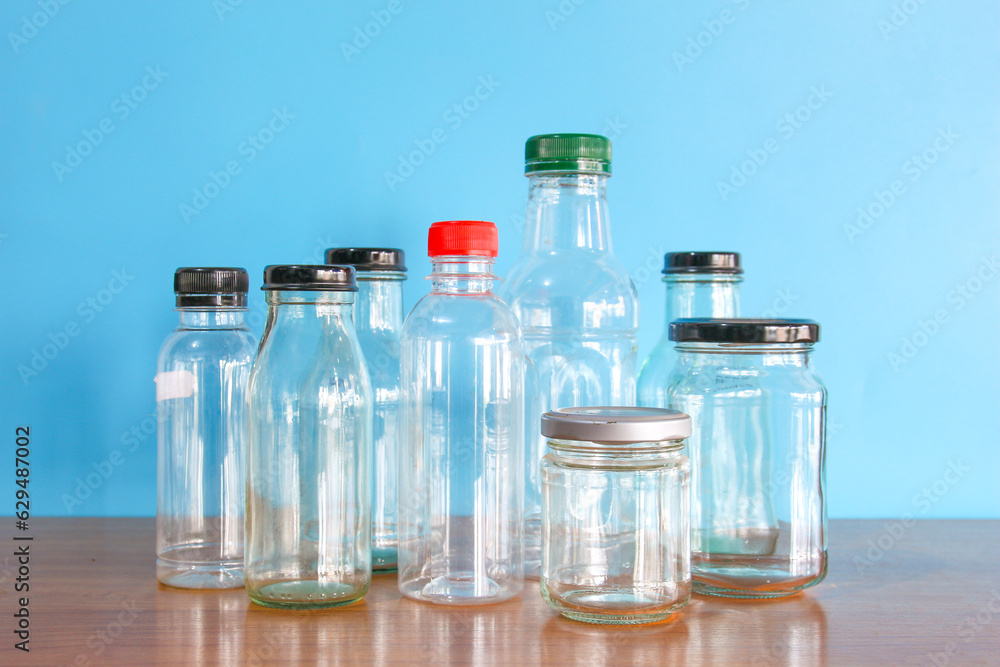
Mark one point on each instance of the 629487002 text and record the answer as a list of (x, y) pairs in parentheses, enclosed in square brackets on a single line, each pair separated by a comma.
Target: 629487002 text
[(22, 538)]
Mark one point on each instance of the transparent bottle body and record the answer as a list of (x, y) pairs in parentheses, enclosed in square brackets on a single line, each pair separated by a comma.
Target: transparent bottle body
[(202, 374), (688, 295), (378, 311), (615, 532), (309, 486), (461, 463), (579, 314), (757, 452)]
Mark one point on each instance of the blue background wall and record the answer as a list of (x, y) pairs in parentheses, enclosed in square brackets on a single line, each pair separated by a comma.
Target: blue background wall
[(850, 102)]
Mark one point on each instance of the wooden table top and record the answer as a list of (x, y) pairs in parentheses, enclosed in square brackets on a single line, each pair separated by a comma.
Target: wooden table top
[(927, 593)]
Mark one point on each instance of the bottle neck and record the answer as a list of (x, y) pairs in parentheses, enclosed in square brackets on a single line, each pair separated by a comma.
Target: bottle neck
[(567, 211), (211, 318), (462, 275), (702, 295), (379, 303), (302, 306)]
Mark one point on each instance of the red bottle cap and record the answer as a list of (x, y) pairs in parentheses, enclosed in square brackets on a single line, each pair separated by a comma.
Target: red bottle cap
[(462, 238)]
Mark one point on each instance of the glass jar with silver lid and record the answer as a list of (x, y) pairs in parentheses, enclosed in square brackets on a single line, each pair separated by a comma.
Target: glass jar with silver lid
[(615, 514)]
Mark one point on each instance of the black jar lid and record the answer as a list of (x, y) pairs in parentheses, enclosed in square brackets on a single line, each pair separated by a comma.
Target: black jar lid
[(368, 259), (743, 331), (211, 287), (311, 278), (702, 262)]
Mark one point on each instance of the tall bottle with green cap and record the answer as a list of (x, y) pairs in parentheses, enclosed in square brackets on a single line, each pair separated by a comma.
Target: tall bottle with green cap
[(577, 304)]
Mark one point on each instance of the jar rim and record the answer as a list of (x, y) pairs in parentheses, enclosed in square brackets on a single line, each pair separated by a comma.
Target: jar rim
[(744, 348), (592, 446)]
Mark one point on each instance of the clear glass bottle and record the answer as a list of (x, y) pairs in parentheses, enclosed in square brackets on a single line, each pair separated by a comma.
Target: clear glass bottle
[(577, 305), (699, 284), (378, 318), (461, 464), (201, 380), (616, 524), (309, 485), (757, 452)]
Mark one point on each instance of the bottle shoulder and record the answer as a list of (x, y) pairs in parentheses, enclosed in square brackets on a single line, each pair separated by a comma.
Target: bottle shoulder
[(572, 294), (443, 312), (190, 345), (573, 272), (294, 367), (719, 379), (585, 286)]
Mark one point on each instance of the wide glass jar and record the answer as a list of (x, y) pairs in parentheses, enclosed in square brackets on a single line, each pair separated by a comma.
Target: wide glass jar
[(757, 452), (309, 484), (615, 519)]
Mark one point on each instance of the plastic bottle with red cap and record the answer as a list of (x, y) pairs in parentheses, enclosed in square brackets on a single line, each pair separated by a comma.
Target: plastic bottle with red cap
[(461, 463)]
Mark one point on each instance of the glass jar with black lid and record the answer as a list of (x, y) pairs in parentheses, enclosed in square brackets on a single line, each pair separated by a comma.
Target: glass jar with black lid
[(757, 453)]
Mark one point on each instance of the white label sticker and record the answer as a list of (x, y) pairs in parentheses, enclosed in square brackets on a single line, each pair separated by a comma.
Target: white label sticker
[(174, 384)]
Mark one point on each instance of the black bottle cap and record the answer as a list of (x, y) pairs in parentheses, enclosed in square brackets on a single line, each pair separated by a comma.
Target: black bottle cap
[(211, 287), (311, 278), (743, 331), (368, 259), (702, 262)]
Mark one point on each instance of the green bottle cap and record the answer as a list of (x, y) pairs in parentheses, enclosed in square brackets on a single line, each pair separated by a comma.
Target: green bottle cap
[(568, 152)]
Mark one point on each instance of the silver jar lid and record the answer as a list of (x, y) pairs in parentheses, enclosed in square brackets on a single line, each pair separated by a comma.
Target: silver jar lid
[(616, 425)]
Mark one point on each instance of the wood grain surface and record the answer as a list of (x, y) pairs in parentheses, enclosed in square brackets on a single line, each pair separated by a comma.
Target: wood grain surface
[(927, 593)]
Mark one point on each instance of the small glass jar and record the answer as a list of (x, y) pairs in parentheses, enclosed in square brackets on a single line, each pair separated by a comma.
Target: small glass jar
[(378, 317), (699, 284), (309, 484), (757, 454), (201, 382), (615, 514)]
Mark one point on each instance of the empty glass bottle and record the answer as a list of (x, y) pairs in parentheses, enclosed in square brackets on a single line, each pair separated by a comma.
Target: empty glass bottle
[(757, 452), (699, 284), (461, 464), (309, 486), (577, 305), (201, 380), (616, 525), (378, 318)]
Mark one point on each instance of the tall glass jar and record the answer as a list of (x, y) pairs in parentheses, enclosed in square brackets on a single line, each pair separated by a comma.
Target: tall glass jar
[(378, 317), (615, 526), (577, 304), (309, 486), (201, 380), (757, 453), (699, 284), (461, 464)]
